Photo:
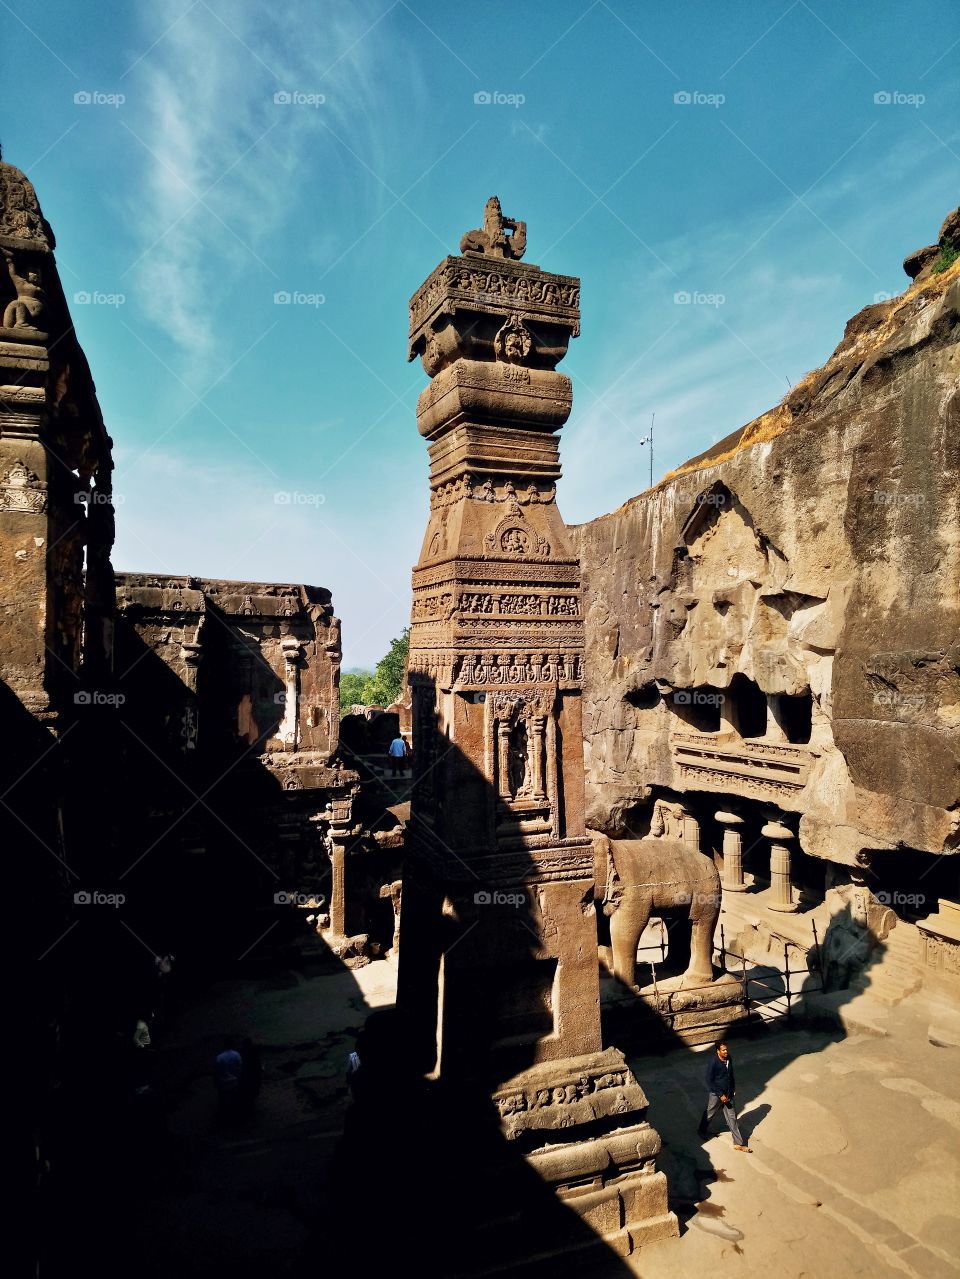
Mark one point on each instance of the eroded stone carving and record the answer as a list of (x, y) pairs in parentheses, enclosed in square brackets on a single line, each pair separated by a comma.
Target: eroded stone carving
[(499, 237), (513, 342), (22, 490), (24, 312)]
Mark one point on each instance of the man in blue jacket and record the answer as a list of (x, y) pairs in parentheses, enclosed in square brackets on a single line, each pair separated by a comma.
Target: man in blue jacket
[(722, 1086)]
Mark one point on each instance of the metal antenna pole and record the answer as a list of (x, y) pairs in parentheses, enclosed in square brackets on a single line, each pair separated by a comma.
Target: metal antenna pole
[(652, 416)]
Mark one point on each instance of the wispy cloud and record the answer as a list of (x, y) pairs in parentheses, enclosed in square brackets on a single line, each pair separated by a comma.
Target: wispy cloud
[(221, 167)]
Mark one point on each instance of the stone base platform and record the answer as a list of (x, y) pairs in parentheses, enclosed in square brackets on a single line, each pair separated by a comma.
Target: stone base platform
[(672, 1012), (580, 1125), (556, 1161)]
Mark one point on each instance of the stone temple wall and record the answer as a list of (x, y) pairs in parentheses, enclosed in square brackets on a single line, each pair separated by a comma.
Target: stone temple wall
[(774, 627)]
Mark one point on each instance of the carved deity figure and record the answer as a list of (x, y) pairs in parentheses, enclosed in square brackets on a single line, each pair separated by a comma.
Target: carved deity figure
[(492, 239), (27, 306)]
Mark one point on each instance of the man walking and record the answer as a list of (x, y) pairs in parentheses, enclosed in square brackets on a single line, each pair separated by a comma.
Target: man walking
[(398, 756), (721, 1087)]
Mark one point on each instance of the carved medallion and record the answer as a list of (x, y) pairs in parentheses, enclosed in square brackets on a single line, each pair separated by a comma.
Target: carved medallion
[(515, 541), (513, 342)]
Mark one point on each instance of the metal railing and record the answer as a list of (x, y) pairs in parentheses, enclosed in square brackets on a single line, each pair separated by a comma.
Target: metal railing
[(771, 992)]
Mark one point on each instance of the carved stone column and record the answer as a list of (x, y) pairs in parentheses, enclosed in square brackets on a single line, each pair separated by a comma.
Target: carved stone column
[(498, 987), (781, 887), (691, 832), (732, 852), (338, 836)]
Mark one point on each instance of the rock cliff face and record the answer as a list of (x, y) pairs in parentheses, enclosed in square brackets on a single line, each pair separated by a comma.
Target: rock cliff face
[(777, 621)]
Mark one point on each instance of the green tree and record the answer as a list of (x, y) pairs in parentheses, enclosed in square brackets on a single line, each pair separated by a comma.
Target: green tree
[(383, 686), (352, 689), (387, 683)]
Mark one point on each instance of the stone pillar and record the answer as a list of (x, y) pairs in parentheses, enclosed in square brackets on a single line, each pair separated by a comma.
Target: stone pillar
[(728, 721), (732, 852), (691, 832), (341, 811), (498, 987), (774, 731), (781, 888)]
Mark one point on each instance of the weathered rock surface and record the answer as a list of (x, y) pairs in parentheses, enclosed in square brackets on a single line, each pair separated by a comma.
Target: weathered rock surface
[(778, 618)]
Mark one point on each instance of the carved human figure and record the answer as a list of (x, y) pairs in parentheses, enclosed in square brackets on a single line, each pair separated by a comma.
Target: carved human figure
[(515, 541), (27, 306)]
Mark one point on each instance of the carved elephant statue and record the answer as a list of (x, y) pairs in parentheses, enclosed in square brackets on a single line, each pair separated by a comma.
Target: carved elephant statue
[(648, 876)]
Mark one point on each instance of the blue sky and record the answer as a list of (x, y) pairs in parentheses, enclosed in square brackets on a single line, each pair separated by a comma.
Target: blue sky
[(782, 197)]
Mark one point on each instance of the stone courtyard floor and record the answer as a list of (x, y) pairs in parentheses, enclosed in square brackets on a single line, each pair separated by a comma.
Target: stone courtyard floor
[(855, 1137), (855, 1163)]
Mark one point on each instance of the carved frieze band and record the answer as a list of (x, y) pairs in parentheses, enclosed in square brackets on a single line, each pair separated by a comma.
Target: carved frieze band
[(456, 280), (766, 767), (453, 491), (486, 670), (445, 605), (494, 572)]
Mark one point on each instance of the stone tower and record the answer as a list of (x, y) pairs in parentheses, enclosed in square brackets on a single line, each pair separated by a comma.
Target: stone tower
[(498, 979)]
